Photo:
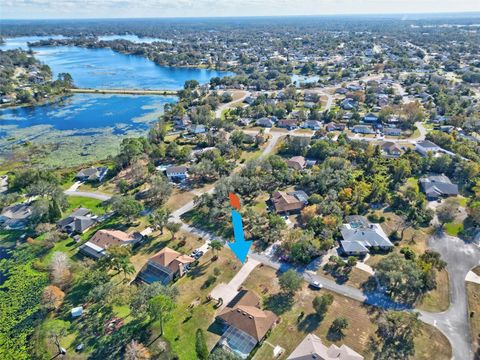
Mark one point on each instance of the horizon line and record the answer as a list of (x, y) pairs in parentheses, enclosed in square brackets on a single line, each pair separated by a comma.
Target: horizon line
[(474, 12)]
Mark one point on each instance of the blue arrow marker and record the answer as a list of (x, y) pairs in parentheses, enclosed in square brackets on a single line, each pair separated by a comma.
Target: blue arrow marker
[(239, 247)]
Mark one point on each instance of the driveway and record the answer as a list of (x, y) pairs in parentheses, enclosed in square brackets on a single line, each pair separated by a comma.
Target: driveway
[(228, 291), (87, 194)]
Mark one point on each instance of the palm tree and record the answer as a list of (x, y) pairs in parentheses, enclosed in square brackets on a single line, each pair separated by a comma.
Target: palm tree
[(215, 245)]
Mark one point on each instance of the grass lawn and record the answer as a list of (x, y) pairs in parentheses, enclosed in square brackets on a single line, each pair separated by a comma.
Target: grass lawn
[(355, 278), (75, 202), (453, 228), (362, 322), (473, 293), (179, 198), (193, 311), (438, 299), (462, 201)]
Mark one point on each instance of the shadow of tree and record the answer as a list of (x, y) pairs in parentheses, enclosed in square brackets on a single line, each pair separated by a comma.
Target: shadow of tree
[(198, 271), (279, 303), (310, 323), (216, 328), (334, 335)]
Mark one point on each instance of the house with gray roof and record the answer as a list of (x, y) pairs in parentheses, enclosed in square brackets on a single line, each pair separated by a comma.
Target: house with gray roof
[(360, 236), (77, 222), (438, 186), (92, 174), (312, 348), (15, 216)]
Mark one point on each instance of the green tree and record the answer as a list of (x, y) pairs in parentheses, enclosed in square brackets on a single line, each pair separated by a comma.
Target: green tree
[(54, 211), (216, 246), (117, 258), (322, 303), (159, 218), (201, 345), (126, 206), (139, 302), (158, 192), (290, 282), (160, 308), (447, 211), (397, 329), (338, 325)]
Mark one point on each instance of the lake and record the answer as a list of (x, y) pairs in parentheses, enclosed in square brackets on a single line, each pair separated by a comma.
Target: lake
[(132, 38), (88, 127), (104, 68), (83, 127)]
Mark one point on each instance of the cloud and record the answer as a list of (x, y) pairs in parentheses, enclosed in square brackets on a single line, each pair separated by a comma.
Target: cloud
[(180, 8)]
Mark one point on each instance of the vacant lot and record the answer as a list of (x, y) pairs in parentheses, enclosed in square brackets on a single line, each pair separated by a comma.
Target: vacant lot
[(293, 327)]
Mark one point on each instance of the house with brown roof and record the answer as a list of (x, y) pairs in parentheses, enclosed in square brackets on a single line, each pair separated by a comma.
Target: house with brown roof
[(165, 266), (312, 348), (245, 322), (103, 239), (289, 202), (297, 162), (391, 149)]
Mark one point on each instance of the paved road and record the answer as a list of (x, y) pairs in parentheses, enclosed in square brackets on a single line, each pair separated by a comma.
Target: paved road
[(454, 322)]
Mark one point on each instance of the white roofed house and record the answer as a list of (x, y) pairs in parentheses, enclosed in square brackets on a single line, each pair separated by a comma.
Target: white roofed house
[(312, 348), (175, 173), (360, 236), (425, 147)]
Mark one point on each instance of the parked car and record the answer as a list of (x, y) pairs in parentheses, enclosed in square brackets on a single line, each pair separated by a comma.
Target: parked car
[(316, 285)]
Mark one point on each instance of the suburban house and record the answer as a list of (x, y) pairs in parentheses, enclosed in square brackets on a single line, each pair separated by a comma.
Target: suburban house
[(77, 222), (425, 147), (265, 122), (437, 186), (363, 129), (370, 118), (290, 202), (334, 127), (392, 131), (15, 216), (297, 162), (165, 266), (391, 149), (348, 104), (197, 129), (289, 124), (246, 324), (177, 173), (312, 125), (92, 174), (103, 239), (359, 236), (312, 348), (182, 123)]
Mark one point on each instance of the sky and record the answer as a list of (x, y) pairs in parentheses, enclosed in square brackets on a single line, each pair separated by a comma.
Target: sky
[(50, 9)]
